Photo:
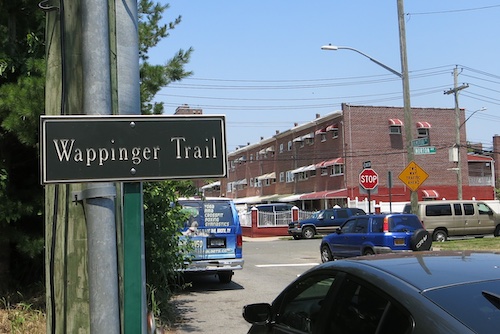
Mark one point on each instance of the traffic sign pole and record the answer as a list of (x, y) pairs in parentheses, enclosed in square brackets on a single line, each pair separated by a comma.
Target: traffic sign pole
[(368, 179)]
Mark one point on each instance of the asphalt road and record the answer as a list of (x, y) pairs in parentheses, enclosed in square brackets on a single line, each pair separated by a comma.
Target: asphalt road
[(270, 265)]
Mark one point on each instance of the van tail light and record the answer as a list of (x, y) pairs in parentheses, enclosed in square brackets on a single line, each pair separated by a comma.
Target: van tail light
[(239, 241), (386, 224)]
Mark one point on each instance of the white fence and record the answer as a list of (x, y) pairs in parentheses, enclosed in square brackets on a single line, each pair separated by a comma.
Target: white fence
[(272, 219)]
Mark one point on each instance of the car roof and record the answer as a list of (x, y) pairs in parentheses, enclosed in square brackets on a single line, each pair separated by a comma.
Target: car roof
[(429, 270), (382, 215)]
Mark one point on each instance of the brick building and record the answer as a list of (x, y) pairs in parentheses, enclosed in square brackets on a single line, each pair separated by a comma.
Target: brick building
[(317, 164)]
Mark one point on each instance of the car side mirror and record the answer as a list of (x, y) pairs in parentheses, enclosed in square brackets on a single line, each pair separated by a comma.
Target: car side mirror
[(258, 314), (338, 230)]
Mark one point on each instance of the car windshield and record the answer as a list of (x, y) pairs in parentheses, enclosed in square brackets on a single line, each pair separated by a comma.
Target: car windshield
[(316, 214), (476, 304)]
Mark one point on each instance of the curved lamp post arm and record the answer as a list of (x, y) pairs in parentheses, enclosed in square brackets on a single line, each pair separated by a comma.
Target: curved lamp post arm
[(334, 48)]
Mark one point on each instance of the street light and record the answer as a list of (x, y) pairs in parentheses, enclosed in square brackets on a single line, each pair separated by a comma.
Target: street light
[(457, 147), (406, 100), (335, 48)]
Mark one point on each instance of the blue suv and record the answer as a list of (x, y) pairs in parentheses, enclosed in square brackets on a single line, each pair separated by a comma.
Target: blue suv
[(375, 234)]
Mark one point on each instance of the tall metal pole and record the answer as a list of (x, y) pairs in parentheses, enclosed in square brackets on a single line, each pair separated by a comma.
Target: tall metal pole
[(99, 198), (406, 97)]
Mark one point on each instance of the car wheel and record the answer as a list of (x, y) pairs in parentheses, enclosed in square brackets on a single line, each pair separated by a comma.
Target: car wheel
[(308, 233), (326, 254), (421, 240), (497, 231), (296, 237), (368, 251), (439, 235), (225, 277)]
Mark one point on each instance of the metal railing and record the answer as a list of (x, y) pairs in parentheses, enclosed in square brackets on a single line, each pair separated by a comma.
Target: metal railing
[(270, 219)]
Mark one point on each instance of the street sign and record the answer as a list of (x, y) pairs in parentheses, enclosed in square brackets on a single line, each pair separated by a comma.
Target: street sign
[(424, 150), (424, 141), (413, 176), (81, 148), (368, 178), (367, 164)]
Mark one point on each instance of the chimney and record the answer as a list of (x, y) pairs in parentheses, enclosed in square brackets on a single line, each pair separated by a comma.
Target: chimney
[(277, 131), (295, 124), (318, 115)]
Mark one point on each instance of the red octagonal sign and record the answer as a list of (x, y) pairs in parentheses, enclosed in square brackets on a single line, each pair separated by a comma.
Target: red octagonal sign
[(368, 178)]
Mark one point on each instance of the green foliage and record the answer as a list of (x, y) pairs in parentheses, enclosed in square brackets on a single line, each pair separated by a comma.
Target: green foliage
[(22, 79), (155, 77), (162, 230)]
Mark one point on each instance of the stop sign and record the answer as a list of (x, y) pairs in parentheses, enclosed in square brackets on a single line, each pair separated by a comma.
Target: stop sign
[(368, 178)]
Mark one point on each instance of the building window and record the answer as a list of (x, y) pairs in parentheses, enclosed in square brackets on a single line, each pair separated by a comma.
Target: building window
[(290, 145), (251, 157), (335, 133), (229, 187), (422, 132), (290, 177), (395, 130), (324, 171), (258, 183), (282, 176), (303, 176), (251, 182), (323, 137), (337, 170), (282, 147), (312, 173)]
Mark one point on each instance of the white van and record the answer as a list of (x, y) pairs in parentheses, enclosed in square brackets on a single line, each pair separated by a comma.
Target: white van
[(457, 218)]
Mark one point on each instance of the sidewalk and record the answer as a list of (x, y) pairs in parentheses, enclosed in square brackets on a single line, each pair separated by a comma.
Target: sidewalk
[(248, 239)]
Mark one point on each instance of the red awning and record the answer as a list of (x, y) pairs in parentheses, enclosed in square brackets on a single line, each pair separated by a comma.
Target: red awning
[(430, 193), (341, 193), (332, 127), (320, 132), (326, 163), (478, 158), (423, 125), (395, 121)]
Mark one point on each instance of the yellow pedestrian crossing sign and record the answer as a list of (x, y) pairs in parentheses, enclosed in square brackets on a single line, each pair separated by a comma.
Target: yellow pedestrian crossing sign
[(413, 176)]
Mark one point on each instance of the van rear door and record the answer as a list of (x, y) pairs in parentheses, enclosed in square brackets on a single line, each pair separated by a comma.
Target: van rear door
[(486, 218)]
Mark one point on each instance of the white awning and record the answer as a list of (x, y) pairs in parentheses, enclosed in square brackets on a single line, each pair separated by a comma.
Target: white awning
[(239, 182), (267, 176), (304, 169), (211, 185)]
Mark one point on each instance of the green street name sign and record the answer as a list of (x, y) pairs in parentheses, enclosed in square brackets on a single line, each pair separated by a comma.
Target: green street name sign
[(80, 148), (424, 150), (420, 141)]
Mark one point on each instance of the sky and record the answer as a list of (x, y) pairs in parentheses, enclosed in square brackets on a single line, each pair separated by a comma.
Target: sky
[(260, 62)]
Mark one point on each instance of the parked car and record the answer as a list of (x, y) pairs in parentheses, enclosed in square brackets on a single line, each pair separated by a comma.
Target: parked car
[(376, 234), (410, 293), (457, 218), (323, 221), (214, 231)]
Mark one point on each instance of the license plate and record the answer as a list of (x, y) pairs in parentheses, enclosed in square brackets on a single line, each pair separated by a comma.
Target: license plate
[(399, 242), (216, 242)]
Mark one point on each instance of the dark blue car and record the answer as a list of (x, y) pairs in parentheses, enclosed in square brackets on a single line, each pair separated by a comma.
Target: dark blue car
[(376, 234)]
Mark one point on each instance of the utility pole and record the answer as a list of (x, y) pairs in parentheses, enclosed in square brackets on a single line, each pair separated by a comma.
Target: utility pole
[(458, 145), (406, 97)]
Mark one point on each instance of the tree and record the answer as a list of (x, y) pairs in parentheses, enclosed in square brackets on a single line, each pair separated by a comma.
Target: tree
[(155, 77), (22, 73)]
